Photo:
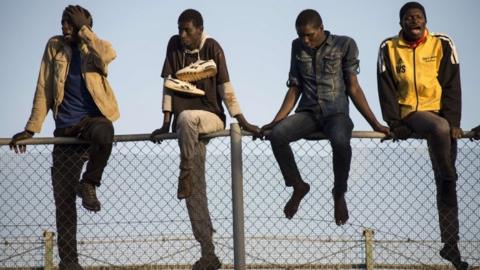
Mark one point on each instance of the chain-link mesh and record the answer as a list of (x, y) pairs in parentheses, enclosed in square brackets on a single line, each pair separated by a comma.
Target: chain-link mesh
[(142, 223), (391, 191)]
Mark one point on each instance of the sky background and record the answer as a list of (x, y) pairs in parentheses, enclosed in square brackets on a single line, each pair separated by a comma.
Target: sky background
[(255, 35)]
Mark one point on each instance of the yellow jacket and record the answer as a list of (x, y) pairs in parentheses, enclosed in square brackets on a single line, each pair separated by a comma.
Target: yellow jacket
[(96, 54), (424, 78)]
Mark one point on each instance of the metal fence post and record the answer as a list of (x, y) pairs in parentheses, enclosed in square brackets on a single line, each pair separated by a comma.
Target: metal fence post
[(368, 234), (237, 197), (48, 237)]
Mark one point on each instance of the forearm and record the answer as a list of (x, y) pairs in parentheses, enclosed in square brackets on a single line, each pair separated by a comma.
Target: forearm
[(101, 50), (288, 103), (167, 100), (362, 106), (227, 94), (167, 117)]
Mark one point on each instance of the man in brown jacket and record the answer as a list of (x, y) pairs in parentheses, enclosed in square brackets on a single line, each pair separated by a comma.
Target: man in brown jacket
[(72, 82)]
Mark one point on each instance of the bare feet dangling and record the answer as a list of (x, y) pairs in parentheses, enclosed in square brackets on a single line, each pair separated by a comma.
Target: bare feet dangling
[(299, 191), (340, 209)]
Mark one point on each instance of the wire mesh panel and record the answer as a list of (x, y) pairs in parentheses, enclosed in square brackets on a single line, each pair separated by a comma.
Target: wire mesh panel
[(391, 191), (142, 223)]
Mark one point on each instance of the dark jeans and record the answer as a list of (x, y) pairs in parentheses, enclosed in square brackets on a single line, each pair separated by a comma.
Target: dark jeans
[(443, 154), (338, 130), (67, 166)]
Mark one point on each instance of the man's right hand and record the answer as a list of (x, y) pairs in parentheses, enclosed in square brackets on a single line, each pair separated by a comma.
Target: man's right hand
[(20, 148), (162, 130), (79, 16)]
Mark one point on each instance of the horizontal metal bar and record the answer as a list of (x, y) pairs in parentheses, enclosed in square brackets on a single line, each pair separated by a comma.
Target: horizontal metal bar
[(172, 136), (117, 138)]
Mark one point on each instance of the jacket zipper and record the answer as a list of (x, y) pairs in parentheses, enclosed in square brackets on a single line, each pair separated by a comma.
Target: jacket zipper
[(415, 77)]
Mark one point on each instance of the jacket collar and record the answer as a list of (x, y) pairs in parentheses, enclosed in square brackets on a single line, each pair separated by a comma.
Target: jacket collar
[(413, 45)]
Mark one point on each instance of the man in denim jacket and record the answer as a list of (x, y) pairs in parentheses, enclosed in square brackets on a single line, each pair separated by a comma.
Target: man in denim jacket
[(323, 74), (72, 82)]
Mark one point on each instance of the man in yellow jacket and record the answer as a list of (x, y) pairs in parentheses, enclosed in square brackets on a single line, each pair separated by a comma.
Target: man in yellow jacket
[(419, 89), (72, 82)]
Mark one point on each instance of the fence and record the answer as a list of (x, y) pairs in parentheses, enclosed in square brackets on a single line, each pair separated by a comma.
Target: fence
[(393, 218)]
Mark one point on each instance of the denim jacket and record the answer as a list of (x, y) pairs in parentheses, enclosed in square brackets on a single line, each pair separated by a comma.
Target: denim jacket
[(320, 74)]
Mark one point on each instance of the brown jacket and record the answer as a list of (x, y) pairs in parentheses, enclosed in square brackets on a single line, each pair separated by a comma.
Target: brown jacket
[(96, 54)]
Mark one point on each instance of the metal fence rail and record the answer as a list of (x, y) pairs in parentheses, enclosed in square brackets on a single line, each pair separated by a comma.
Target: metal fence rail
[(143, 226)]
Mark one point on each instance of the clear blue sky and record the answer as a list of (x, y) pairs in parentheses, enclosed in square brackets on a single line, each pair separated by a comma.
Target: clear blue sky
[(255, 35)]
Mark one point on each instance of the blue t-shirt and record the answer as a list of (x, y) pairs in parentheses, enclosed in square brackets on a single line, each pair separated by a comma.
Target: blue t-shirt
[(77, 101)]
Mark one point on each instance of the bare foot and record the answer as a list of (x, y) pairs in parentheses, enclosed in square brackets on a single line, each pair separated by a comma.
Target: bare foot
[(340, 210), (299, 191)]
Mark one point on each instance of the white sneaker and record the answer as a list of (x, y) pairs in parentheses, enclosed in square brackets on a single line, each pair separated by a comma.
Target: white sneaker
[(198, 70), (183, 87)]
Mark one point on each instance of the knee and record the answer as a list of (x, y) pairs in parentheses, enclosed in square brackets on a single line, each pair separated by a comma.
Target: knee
[(103, 132), (278, 136), (442, 129), (186, 119)]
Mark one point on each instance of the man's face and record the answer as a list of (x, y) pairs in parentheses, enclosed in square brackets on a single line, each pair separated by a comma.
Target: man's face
[(190, 35), (310, 35), (413, 24), (67, 30)]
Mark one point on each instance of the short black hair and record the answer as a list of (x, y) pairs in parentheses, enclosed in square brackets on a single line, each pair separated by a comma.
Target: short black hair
[(308, 16), (191, 15), (411, 5)]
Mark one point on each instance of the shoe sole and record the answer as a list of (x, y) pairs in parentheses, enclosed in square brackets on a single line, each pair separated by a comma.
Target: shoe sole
[(89, 208), (183, 88), (196, 76), (198, 70)]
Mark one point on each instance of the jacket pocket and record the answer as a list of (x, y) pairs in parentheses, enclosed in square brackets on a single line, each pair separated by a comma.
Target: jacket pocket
[(331, 64), (305, 65)]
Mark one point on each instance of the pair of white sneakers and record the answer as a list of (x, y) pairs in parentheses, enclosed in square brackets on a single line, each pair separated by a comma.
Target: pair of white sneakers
[(196, 71)]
